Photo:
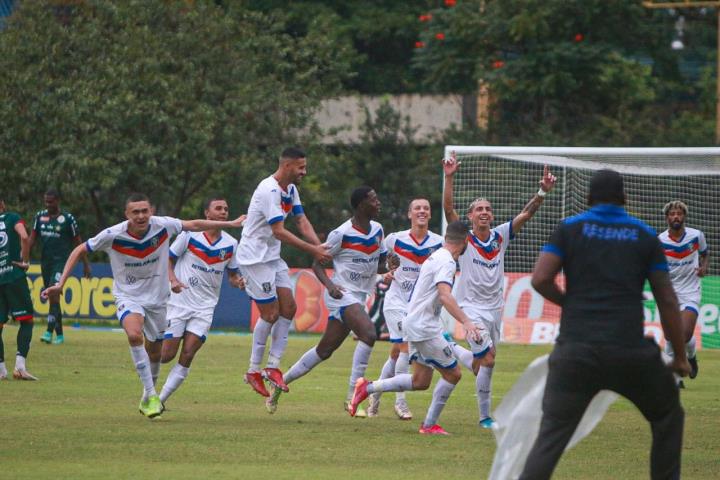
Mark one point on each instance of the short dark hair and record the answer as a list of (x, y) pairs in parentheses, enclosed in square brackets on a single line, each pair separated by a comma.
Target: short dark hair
[(358, 195), (136, 197), (211, 198), (416, 198), (606, 186), (52, 192), (456, 232), (292, 153)]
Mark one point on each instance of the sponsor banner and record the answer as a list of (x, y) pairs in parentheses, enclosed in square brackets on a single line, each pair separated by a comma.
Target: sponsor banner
[(92, 298)]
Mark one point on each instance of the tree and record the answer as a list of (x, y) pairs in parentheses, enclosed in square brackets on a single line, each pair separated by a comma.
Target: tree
[(172, 98)]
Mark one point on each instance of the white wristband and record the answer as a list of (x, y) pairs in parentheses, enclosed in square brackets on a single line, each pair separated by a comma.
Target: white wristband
[(541, 193)]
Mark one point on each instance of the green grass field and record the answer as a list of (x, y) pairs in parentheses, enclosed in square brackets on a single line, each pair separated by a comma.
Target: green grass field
[(81, 421)]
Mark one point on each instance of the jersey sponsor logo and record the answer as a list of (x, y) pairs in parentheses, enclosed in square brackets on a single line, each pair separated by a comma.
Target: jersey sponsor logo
[(489, 251), (414, 254), (140, 249), (193, 281), (44, 219), (130, 281), (681, 251), (267, 287), (3, 239), (209, 255), (367, 246)]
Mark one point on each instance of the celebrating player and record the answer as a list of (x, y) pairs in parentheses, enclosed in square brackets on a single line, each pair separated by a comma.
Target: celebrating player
[(265, 273), (482, 272), (687, 257), (139, 252), (412, 247), (358, 255), (14, 292), (424, 330), (58, 232), (198, 261)]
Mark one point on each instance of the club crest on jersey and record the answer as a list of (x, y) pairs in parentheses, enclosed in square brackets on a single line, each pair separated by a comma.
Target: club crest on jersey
[(222, 254), (3, 239), (154, 242), (61, 218), (267, 288)]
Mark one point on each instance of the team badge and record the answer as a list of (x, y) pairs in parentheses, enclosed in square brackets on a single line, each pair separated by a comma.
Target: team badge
[(61, 219), (222, 254), (495, 245), (448, 352), (267, 288), (3, 239), (154, 242)]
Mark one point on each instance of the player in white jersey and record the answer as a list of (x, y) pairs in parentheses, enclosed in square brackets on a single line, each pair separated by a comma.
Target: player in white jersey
[(687, 257), (358, 255), (479, 290), (423, 328), (265, 273), (139, 249), (198, 262), (412, 247)]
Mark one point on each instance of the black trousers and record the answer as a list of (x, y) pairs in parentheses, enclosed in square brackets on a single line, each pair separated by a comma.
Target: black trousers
[(578, 371)]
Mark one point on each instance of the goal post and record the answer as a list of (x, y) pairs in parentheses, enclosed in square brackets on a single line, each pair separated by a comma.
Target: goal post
[(508, 177)]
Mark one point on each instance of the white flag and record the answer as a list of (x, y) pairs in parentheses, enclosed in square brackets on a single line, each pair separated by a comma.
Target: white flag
[(518, 420)]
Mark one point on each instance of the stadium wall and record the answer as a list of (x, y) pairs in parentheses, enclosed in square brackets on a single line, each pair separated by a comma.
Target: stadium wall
[(527, 317)]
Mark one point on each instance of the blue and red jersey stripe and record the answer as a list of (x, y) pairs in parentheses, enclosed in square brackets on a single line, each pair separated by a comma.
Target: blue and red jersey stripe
[(140, 249)]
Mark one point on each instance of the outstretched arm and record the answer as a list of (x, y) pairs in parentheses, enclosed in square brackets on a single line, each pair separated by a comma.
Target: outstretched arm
[(450, 166), (72, 260), (201, 225), (546, 184)]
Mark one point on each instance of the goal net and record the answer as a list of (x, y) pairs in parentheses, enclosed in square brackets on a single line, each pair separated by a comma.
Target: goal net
[(508, 177)]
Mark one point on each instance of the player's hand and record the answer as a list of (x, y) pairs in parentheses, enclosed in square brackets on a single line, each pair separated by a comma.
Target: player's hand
[(238, 222), (701, 271), (22, 265), (393, 261), (472, 332), (548, 180), (237, 281), (51, 291), (87, 271), (320, 253), (335, 292), (177, 286), (450, 164), (388, 277), (682, 368)]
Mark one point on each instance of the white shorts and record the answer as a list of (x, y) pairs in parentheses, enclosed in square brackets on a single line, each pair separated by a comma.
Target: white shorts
[(181, 320), (691, 303), (336, 306), (263, 279), (393, 320), (154, 324), (436, 352), (491, 320)]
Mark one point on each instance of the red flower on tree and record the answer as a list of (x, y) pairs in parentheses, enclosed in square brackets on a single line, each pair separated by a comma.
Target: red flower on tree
[(498, 64), (425, 18), (450, 3), (579, 37), (440, 36), (419, 44)]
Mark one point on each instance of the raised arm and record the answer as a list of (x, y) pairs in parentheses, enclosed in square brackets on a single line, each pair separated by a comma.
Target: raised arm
[(547, 182), (450, 166), (318, 252), (667, 305), (547, 267)]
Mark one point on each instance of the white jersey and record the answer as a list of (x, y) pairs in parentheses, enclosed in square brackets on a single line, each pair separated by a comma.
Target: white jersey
[(423, 318), (412, 254), (683, 257), (139, 265), (270, 204), (355, 256), (200, 266), (482, 269)]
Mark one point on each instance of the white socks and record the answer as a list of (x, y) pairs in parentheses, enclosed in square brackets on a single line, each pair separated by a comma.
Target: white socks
[(690, 347), (175, 378), (279, 333), (482, 385), (360, 363), (260, 336), (442, 392), (398, 383), (142, 366), (19, 362), (306, 363), (402, 367), (464, 356)]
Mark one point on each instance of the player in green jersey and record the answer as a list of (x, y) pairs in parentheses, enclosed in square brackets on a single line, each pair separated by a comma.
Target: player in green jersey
[(14, 290), (58, 232)]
